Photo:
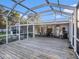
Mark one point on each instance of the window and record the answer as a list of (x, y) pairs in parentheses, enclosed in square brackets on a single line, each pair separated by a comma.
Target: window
[(77, 21), (77, 42), (15, 30), (77, 47), (30, 30)]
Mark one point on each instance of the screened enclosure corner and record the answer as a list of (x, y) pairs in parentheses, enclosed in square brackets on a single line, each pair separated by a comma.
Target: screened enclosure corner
[(27, 19), (19, 18)]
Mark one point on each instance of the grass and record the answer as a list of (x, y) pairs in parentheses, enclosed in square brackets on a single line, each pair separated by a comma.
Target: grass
[(2, 37), (2, 33)]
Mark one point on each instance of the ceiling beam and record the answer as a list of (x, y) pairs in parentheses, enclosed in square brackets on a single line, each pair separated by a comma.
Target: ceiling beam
[(49, 5), (59, 5), (53, 4), (24, 6), (11, 8), (66, 13)]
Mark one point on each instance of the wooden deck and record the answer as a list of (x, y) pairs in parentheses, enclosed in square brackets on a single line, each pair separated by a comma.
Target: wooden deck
[(38, 48)]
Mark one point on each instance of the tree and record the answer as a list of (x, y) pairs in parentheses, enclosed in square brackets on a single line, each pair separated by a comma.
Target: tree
[(13, 17), (2, 21)]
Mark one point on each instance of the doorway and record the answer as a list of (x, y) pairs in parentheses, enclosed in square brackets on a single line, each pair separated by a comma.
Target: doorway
[(49, 32)]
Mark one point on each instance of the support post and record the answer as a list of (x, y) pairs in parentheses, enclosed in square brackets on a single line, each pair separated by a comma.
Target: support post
[(75, 35), (33, 31), (40, 28), (71, 31), (27, 31), (70, 34), (6, 30), (7, 22), (19, 30)]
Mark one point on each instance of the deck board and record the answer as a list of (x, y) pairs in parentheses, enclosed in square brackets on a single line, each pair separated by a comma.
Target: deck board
[(37, 48)]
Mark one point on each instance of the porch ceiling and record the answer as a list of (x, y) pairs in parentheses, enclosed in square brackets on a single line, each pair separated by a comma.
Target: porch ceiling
[(30, 6)]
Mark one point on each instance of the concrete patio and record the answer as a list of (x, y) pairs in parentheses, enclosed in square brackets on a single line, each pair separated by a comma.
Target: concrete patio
[(37, 48)]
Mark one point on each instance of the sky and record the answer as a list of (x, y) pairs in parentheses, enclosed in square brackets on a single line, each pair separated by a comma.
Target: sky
[(49, 16)]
